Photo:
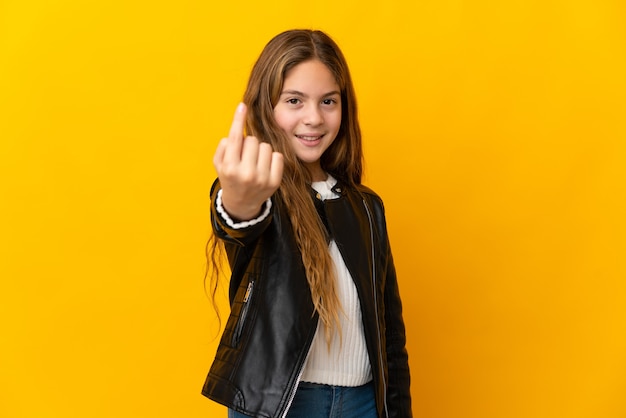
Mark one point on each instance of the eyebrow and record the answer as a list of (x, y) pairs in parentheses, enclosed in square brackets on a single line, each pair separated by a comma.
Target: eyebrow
[(299, 93)]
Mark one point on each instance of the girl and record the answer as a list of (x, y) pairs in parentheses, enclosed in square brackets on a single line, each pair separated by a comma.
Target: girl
[(316, 326)]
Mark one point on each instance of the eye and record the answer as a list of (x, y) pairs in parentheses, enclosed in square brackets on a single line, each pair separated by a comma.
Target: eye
[(329, 102), (293, 101)]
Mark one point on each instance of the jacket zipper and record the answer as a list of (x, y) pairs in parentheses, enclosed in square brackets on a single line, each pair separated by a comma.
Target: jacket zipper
[(380, 346), (293, 392), (294, 389), (244, 313)]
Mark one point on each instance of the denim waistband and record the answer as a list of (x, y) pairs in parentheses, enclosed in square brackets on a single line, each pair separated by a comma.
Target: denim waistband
[(312, 385)]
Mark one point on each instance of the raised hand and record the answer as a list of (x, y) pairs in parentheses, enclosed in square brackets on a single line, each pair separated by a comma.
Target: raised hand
[(249, 170)]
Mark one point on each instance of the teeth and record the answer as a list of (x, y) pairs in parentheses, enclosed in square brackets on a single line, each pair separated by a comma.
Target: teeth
[(309, 138)]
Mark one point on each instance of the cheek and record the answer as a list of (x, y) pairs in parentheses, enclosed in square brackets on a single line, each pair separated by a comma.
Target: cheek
[(283, 121)]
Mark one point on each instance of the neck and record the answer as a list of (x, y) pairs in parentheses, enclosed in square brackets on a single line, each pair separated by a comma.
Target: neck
[(317, 174)]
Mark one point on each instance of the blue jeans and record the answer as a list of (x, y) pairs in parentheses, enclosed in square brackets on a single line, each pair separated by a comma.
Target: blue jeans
[(323, 401)]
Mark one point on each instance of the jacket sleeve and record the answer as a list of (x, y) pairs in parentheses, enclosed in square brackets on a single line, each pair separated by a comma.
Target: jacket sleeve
[(399, 379), (241, 236), (398, 392)]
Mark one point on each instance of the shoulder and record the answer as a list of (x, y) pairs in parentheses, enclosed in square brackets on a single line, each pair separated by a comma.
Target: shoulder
[(369, 194), (366, 190), (373, 202)]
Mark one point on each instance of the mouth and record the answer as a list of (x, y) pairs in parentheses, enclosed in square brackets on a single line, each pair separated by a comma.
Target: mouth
[(310, 138)]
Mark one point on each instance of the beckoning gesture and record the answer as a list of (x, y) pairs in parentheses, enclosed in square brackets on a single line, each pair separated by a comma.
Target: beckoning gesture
[(248, 169)]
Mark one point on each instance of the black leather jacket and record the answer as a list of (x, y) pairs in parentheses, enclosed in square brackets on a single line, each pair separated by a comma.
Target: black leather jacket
[(272, 322)]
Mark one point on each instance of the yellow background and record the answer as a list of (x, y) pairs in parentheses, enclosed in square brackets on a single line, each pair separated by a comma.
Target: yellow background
[(495, 132)]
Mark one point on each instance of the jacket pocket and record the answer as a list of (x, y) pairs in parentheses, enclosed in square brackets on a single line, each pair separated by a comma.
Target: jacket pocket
[(245, 307)]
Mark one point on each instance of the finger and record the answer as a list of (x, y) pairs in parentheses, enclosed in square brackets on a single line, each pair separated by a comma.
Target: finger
[(276, 169), (250, 153), (235, 136), (264, 161), (219, 153)]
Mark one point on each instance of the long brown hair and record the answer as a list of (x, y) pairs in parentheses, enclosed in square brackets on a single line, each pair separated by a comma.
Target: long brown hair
[(343, 159)]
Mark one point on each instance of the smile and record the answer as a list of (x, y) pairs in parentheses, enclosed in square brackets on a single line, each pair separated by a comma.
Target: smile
[(309, 137)]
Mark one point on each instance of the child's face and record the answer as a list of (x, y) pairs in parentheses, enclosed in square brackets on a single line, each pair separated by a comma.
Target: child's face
[(309, 111)]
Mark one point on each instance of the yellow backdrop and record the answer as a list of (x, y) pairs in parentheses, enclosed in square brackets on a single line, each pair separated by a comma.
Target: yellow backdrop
[(495, 132)]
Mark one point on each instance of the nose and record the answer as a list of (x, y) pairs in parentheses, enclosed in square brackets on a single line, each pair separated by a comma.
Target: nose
[(313, 116)]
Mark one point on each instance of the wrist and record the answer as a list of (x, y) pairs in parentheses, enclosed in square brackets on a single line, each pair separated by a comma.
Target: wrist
[(236, 220)]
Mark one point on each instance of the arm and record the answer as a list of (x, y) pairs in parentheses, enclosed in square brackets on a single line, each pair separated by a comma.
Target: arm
[(242, 233), (398, 392), (399, 379)]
